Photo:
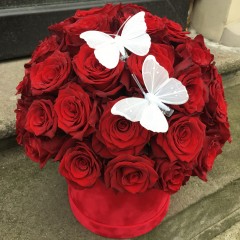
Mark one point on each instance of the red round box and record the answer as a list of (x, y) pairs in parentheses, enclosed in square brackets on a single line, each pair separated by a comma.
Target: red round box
[(118, 215)]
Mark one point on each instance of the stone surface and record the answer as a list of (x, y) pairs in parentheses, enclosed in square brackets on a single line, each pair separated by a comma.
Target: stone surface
[(11, 73), (232, 233), (209, 17), (233, 15), (205, 219), (34, 203), (231, 79), (231, 35), (227, 58)]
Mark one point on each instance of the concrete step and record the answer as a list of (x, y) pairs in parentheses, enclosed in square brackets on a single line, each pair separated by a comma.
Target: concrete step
[(11, 72), (231, 35), (232, 233), (34, 203)]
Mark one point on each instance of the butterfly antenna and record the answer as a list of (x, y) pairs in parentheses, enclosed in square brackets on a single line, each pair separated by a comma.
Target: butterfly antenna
[(123, 25), (138, 83)]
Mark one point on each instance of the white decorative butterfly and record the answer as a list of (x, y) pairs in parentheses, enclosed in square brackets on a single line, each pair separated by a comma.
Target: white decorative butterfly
[(150, 109), (107, 49)]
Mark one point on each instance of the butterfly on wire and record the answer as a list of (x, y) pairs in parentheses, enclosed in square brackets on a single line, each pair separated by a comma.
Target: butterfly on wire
[(161, 90), (109, 48)]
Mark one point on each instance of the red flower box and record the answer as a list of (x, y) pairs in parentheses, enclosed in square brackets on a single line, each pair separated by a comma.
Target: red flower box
[(120, 174)]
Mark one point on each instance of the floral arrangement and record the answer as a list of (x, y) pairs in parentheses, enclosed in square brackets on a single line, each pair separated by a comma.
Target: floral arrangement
[(64, 112)]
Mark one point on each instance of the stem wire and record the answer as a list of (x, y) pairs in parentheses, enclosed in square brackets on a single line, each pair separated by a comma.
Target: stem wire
[(138, 83)]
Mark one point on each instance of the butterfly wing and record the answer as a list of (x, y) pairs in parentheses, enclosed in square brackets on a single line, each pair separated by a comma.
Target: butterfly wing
[(96, 39), (157, 81), (130, 108), (173, 92), (105, 48), (139, 109), (153, 119), (108, 55), (134, 36), (154, 75)]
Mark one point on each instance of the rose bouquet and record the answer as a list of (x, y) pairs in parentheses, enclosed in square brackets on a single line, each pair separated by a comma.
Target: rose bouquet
[(89, 100)]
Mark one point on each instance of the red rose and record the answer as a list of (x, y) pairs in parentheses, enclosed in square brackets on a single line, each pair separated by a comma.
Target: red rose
[(75, 110), (156, 151), (49, 75), (117, 135), (80, 166), (58, 28), (196, 88), (124, 11), (127, 173), (21, 112), (98, 22), (172, 175), (205, 160), (155, 27), (215, 111), (130, 9), (209, 73), (94, 77), (105, 9), (197, 50), (24, 87), (41, 118), (224, 132), (44, 49), (214, 128), (174, 32), (69, 143), (40, 149), (164, 55), (109, 9), (184, 139), (217, 102)]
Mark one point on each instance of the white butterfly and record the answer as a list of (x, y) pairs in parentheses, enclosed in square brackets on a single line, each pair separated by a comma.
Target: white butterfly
[(107, 49), (161, 89)]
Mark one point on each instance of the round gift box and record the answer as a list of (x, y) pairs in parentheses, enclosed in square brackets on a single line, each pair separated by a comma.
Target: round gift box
[(118, 215)]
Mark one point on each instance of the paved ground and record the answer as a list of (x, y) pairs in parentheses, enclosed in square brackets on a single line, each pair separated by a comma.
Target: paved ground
[(231, 233), (34, 204), (11, 73)]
